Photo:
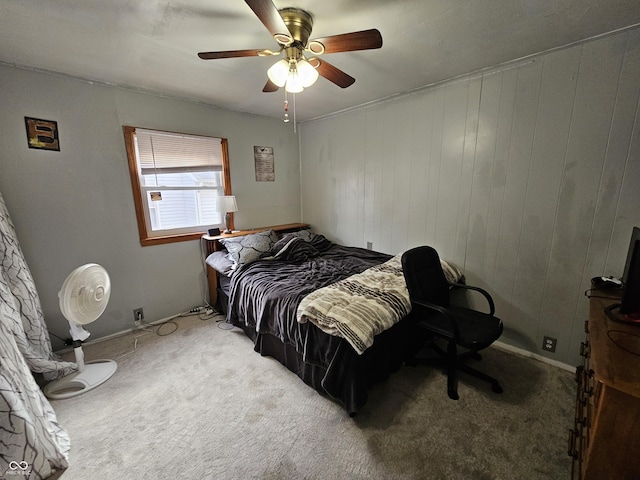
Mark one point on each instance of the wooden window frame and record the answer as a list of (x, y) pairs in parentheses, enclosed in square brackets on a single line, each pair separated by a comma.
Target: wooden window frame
[(138, 197)]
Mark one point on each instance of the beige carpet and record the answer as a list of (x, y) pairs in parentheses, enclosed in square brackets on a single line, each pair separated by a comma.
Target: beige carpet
[(201, 404)]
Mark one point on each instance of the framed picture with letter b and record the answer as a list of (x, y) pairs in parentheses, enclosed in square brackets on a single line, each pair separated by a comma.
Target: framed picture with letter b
[(42, 134)]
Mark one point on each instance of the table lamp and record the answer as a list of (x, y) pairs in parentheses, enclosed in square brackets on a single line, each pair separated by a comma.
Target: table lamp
[(227, 204)]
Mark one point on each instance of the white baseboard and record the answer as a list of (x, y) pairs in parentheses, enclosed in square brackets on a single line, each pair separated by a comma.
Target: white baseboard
[(526, 353)]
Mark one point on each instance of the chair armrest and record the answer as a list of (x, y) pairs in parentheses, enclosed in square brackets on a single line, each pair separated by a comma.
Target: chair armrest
[(442, 310), (492, 307)]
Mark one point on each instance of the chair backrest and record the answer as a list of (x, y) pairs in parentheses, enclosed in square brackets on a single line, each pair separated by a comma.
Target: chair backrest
[(424, 276)]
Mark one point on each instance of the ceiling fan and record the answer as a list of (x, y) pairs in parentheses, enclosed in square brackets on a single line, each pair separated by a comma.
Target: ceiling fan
[(291, 28)]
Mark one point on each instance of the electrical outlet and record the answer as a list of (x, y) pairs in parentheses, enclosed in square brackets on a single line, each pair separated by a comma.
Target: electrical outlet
[(549, 344), (369, 245), (138, 315)]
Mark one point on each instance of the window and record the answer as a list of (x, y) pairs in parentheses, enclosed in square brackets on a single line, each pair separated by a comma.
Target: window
[(175, 179)]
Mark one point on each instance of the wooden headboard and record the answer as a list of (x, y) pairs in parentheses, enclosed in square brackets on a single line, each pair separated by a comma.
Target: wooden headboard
[(212, 244)]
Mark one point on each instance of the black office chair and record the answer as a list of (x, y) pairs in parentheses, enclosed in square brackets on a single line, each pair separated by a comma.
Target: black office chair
[(432, 312)]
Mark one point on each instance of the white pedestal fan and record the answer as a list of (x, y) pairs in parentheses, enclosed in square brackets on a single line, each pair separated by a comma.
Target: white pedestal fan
[(83, 298)]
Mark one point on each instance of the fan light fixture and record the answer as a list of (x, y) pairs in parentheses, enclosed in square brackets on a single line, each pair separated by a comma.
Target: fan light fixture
[(294, 75), (291, 28)]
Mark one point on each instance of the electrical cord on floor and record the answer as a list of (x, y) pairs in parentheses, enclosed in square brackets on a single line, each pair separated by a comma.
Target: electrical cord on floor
[(221, 321), (168, 322), (63, 340), (135, 344), (211, 312), (207, 312), (204, 313)]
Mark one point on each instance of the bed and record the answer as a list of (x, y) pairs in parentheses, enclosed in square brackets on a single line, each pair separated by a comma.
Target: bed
[(262, 293)]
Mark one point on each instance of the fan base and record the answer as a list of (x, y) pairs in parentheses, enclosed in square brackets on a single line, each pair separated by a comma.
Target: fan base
[(95, 373)]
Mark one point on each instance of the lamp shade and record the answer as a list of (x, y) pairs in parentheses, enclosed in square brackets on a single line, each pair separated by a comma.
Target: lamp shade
[(279, 72), (294, 84), (307, 74), (226, 203), (294, 75)]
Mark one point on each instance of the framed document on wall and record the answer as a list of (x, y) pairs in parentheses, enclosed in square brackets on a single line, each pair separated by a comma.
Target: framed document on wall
[(265, 164)]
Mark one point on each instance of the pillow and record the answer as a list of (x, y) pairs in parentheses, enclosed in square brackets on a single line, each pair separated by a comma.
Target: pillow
[(220, 262), (280, 244), (318, 241), (295, 249), (249, 248), (306, 235), (451, 272)]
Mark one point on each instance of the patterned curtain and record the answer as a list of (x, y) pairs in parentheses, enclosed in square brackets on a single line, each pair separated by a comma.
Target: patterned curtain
[(32, 444), (19, 301)]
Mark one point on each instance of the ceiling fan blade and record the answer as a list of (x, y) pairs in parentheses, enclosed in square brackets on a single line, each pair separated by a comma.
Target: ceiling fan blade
[(229, 54), (334, 74), (269, 15), (270, 87), (349, 42)]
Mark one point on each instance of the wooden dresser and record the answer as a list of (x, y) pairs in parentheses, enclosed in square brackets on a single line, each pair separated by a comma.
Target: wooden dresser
[(212, 244), (605, 440)]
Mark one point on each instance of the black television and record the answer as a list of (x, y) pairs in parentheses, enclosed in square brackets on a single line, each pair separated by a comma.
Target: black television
[(628, 310)]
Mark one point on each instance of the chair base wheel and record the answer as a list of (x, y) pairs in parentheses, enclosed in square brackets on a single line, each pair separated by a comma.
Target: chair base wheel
[(496, 388)]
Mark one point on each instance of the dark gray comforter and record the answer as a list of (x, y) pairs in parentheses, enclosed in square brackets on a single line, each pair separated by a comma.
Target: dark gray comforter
[(263, 301), (265, 294)]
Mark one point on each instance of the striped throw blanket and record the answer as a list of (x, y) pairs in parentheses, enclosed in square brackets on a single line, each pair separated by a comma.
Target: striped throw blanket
[(361, 306)]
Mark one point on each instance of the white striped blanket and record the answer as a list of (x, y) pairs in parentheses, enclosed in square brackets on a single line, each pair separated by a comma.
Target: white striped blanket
[(364, 305), (361, 306)]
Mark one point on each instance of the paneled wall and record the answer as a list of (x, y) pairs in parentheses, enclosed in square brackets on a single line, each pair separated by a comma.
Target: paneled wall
[(527, 176)]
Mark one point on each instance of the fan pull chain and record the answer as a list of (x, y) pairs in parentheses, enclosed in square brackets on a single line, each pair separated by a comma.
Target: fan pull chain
[(286, 107), (286, 110)]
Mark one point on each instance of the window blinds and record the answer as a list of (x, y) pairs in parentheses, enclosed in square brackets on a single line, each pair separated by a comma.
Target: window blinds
[(165, 152)]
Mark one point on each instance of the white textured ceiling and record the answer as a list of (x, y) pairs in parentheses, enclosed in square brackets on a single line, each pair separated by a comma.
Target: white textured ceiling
[(152, 45)]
